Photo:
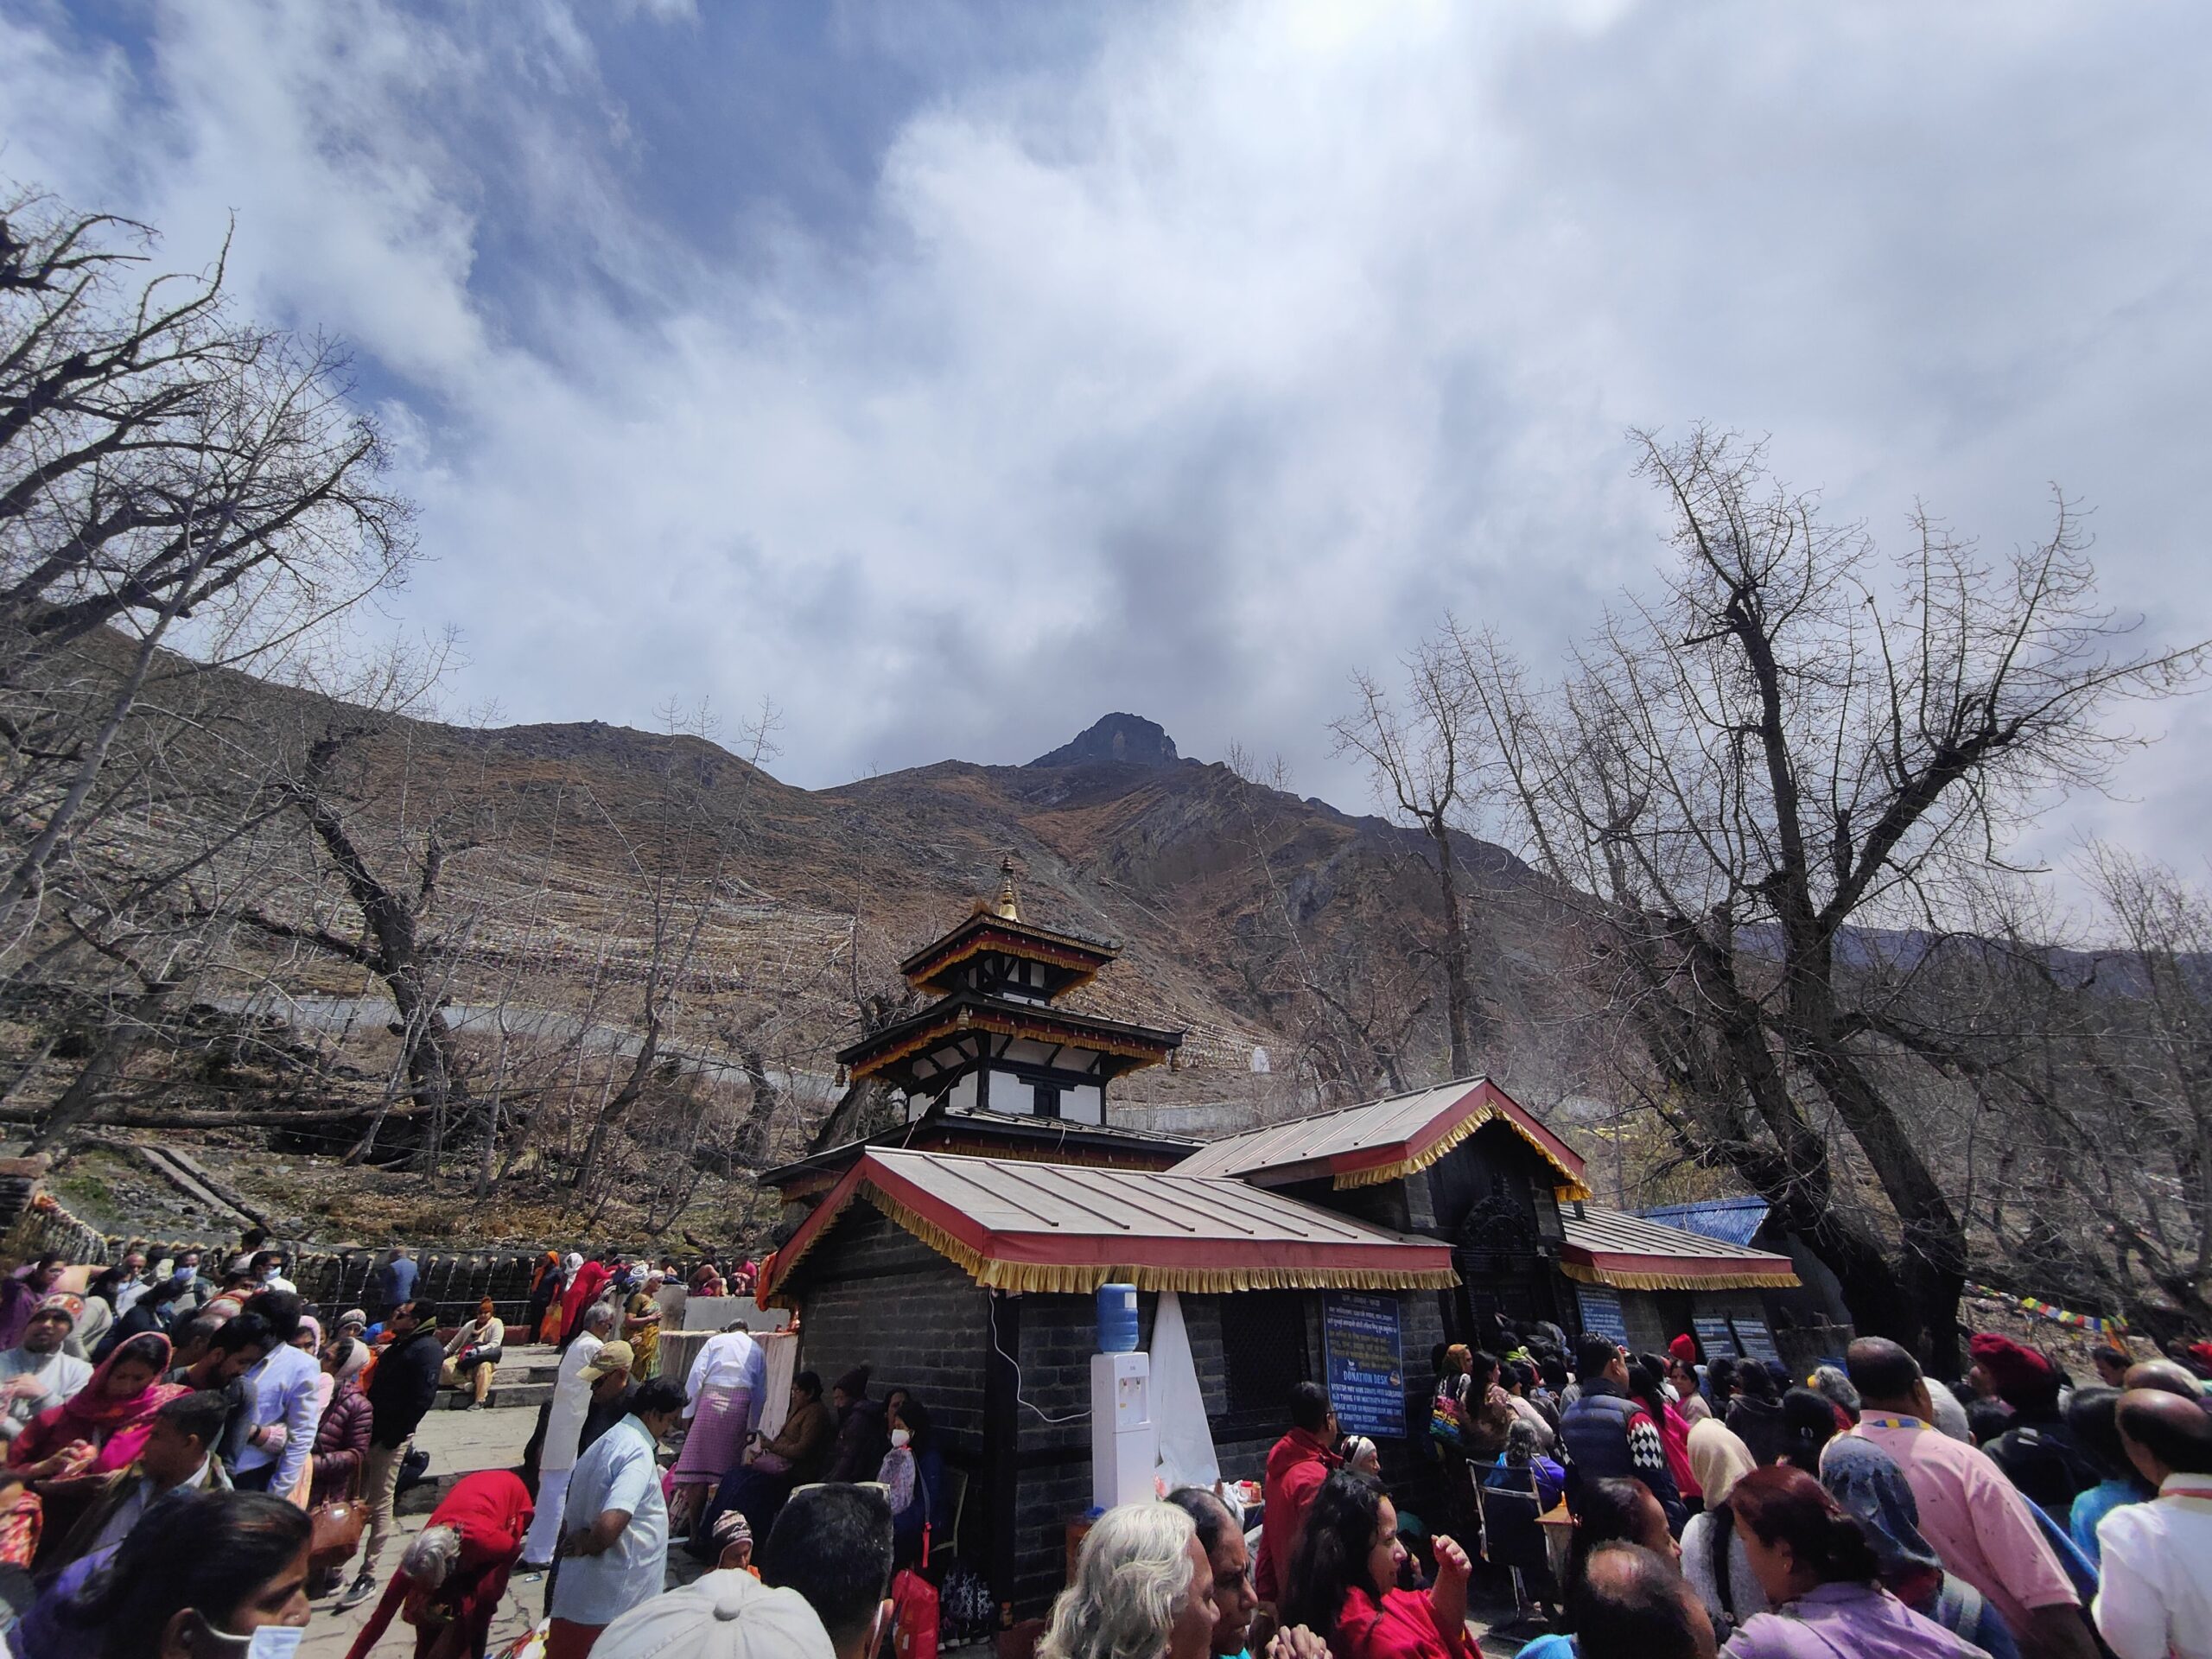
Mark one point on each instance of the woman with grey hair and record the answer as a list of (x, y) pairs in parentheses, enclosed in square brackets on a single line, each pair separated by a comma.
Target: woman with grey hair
[(453, 1575), (1143, 1589), (1829, 1380)]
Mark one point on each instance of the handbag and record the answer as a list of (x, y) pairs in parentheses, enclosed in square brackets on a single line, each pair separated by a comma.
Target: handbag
[(914, 1609), (335, 1525), (335, 1531)]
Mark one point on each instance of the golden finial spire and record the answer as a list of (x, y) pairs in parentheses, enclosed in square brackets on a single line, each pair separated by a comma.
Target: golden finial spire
[(1006, 905)]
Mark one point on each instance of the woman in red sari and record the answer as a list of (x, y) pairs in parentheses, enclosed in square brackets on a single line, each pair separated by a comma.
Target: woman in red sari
[(101, 1427), (583, 1290), (1344, 1579), (454, 1572)]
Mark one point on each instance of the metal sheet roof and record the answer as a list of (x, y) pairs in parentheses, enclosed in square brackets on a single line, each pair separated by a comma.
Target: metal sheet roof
[(1382, 1141), (1733, 1221), (1019, 1225), (1608, 1247)]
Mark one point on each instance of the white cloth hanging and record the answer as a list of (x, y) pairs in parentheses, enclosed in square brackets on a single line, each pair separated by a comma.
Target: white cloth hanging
[(1186, 1454)]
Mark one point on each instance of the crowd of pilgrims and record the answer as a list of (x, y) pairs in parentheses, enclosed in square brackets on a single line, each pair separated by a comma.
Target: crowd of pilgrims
[(1869, 1513), (192, 1459), (181, 1444)]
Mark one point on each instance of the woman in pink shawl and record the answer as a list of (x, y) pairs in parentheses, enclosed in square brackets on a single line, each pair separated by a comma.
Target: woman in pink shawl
[(101, 1427)]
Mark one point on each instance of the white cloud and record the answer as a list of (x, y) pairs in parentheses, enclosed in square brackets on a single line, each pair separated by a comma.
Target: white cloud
[(1187, 371)]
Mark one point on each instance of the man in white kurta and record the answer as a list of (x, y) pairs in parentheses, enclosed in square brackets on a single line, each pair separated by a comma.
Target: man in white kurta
[(564, 1428)]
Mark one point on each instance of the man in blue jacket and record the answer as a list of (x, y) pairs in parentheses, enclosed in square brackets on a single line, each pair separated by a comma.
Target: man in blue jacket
[(1609, 1435)]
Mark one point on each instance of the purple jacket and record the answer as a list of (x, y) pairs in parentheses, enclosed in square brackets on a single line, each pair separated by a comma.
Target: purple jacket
[(1847, 1621)]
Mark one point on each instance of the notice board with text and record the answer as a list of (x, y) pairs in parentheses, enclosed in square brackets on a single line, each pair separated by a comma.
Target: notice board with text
[(1366, 1360)]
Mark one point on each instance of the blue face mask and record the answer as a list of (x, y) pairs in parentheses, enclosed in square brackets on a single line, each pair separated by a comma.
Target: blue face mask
[(270, 1642)]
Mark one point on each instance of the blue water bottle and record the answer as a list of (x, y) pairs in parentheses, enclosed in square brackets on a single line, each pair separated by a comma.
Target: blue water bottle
[(1117, 1319)]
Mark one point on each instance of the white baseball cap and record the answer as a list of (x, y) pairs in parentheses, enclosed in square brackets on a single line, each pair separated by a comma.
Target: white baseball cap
[(722, 1615)]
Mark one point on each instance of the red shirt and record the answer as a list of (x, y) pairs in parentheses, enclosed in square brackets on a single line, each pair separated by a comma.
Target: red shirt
[(1402, 1627), (1297, 1466)]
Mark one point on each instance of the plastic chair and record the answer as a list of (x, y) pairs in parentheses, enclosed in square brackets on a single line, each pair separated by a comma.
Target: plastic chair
[(1511, 1538), (952, 1492)]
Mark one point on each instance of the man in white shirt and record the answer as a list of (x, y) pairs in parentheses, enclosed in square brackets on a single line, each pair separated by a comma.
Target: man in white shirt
[(614, 1529), (271, 1444), (2156, 1597), (178, 1456), (564, 1428), (37, 1374)]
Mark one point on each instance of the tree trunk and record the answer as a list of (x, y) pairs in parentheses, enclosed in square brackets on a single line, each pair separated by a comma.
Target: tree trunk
[(91, 1086), (1459, 996), (752, 1135)]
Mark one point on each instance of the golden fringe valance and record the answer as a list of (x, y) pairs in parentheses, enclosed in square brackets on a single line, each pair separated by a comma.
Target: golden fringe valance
[(1081, 1278), (1568, 1189), (1743, 1279), (1072, 1278)]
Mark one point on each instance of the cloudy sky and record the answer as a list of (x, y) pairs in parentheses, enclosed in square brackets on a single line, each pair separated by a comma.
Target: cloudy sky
[(955, 374)]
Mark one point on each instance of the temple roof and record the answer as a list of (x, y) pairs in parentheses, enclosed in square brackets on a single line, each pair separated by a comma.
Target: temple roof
[(1383, 1141), (997, 1135), (1056, 1228), (1078, 955), (968, 1011), (1605, 1247)]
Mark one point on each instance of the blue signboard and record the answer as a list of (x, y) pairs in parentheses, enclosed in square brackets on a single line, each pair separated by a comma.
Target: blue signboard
[(1601, 1312), (1366, 1360)]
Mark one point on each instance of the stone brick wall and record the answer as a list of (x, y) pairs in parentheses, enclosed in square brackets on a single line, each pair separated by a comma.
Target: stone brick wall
[(891, 1303)]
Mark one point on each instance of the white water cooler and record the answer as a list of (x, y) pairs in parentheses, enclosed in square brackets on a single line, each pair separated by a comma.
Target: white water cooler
[(1124, 1443)]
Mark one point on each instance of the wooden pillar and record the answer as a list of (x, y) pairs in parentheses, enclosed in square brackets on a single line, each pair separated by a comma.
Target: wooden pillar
[(1002, 1439)]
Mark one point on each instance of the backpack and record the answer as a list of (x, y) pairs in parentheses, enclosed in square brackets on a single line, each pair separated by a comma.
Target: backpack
[(914, 1609)]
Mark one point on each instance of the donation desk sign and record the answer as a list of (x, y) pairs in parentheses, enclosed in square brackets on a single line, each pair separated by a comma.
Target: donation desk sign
[(1366, 1361)]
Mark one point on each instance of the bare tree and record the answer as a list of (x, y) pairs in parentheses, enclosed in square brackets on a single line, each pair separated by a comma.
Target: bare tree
[(191, 488), (1420, 758), (1783, 753), (1353, 1004)]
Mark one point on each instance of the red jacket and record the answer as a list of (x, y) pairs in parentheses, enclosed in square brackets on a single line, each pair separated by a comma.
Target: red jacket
[(1297, 1466), (490, 1511), (1402, 1627)]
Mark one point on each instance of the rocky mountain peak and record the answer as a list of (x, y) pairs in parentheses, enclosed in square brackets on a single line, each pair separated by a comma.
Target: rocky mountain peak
[(1130, 739)]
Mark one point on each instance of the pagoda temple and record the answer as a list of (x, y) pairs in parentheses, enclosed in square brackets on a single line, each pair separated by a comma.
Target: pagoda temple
[(993, 1040)]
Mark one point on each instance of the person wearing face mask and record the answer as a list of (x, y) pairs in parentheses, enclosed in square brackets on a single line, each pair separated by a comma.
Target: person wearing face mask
[(203, 1575), (913, 1473)]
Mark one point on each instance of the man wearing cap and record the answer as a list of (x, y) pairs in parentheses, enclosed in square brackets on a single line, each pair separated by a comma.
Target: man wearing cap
[(2037, 1453), (732, 1536), (564, 1425), (722, 1616), (613, 1526), (23, 1293), (35, 1374), (1975, 1518), (612, 1378)]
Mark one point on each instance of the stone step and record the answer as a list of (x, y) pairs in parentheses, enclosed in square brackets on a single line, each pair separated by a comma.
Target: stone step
[(504, 1395)]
